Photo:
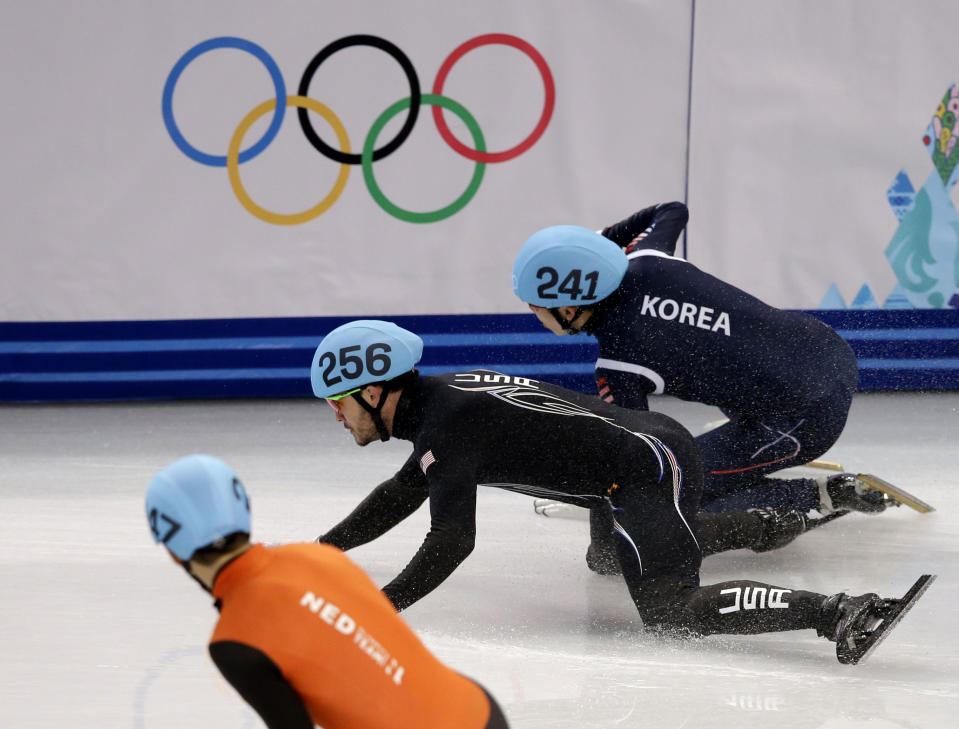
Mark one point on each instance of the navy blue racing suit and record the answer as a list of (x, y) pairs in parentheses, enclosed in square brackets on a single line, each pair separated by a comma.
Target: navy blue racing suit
[(784, 379)]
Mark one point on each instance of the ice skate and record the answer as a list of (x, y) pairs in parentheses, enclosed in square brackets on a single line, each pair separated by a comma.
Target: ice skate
[(847, 492), (782, 526), (896, 494), (559, 509), (865, 483), (858, 624)]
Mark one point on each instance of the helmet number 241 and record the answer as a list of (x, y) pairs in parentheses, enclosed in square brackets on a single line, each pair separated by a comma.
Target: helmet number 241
[(570, 286)]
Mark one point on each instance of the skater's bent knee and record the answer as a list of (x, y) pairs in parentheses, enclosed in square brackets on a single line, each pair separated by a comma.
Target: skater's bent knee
[(674, 621), (669, 605)]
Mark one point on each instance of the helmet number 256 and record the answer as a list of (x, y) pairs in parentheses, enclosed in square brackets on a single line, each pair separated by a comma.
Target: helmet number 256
[(571, 285), (376, 361)]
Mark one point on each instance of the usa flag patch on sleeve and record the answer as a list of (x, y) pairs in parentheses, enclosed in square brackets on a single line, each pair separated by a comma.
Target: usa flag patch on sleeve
[(427, 460)]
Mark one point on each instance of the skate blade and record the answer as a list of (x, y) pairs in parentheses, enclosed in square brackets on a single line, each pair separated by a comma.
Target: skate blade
[(892, 620), (879, 484), (825, 465), (713, 424), (894, 492), (818, 522), (559, 509)]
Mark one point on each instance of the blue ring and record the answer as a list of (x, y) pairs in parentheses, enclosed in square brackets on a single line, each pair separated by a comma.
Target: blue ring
[(208, 45)]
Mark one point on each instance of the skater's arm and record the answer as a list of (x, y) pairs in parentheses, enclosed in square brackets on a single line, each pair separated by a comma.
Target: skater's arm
[(261, 684), (385, 507), (445, 546), (450, 539), (656, 227)]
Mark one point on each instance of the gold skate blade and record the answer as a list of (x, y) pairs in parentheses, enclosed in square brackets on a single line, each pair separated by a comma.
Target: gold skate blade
[(879, 484), (903, 497), (825, 465)]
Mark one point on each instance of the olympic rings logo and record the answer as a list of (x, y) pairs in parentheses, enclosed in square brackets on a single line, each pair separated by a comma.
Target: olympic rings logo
[(343, 153)]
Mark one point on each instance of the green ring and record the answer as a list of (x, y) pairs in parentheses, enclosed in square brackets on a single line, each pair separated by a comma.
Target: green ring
[(459, 203)]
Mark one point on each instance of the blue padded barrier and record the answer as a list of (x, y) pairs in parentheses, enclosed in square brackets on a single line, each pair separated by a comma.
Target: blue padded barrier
[(270, 357)]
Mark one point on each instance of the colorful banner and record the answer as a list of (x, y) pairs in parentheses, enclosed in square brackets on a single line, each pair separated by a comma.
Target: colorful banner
[(231, 158), (800, 116)]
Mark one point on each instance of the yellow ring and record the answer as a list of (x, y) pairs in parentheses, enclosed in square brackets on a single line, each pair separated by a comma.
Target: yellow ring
[(233, 164)]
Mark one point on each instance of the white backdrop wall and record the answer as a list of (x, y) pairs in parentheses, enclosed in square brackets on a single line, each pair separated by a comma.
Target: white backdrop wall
[(803, 111)]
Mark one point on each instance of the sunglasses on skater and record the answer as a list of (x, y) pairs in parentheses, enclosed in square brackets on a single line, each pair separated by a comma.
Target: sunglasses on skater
[(334, 401)]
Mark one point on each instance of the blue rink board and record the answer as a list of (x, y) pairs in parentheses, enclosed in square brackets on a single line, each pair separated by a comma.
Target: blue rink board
[(270, 357)]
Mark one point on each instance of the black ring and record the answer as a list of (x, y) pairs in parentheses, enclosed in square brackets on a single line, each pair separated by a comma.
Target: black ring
[(337, 45)]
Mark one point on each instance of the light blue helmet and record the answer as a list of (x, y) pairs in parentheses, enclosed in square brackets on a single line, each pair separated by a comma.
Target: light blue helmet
[(195, 501), (360, 353), (566, 265)]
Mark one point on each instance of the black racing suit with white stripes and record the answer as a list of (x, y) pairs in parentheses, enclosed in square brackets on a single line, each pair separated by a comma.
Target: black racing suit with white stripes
[(784, 379), (484, 428)]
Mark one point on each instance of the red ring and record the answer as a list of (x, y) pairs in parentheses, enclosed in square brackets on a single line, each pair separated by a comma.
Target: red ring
[(535, 56)]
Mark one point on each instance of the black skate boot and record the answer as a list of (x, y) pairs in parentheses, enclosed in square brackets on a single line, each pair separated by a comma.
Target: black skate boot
[(858, 624), (780, 527), (848, 621), (602, 561), (845, 492)]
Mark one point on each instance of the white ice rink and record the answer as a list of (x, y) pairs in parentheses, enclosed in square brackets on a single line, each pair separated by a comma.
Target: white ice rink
[(99, 630)]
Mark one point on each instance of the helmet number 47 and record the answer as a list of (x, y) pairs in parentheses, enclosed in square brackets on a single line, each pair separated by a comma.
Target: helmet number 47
[(172, 525)]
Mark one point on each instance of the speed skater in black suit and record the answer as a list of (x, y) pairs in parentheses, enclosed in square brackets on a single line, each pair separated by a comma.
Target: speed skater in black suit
[(486, 428)]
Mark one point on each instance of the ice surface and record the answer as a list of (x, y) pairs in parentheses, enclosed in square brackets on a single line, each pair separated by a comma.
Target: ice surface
[(99, 629)]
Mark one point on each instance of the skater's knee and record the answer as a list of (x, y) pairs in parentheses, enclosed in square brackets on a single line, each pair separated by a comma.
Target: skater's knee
[(669, 605), (675, 620)]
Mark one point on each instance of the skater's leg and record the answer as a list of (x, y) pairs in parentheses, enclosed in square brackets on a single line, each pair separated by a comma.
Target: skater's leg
[(660, 556), (601, 554), (676, 604), (658, 543), (761, 530), (856, 624), (739, 456)]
